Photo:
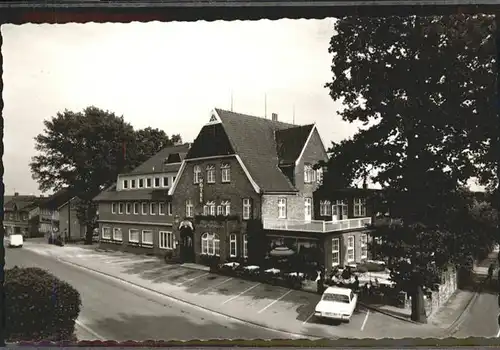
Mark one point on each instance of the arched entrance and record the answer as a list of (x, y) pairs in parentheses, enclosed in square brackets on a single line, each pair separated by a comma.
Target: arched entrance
[(187, 241)]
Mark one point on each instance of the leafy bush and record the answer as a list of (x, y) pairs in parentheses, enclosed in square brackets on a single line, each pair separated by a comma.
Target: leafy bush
[(39, 306)]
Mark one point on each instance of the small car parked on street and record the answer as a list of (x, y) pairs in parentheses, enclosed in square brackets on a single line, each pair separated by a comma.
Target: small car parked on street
[(337, 304), (14, 240)]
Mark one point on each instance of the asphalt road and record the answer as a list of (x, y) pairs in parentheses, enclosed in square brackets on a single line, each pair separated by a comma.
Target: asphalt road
[(119, 311)]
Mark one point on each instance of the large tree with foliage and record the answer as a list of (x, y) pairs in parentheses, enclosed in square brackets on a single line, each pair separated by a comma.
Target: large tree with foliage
[(424, 88), (86, 150)]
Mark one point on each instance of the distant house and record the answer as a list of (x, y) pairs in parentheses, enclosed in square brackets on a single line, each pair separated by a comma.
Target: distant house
[(69, 225), (16, 213), (46, 214)]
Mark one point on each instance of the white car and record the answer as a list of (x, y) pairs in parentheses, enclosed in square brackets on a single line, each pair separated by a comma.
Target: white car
[(337, 304), (15, 240)]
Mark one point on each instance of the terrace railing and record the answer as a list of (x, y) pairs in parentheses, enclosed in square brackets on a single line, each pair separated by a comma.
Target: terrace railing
[(316, 225)]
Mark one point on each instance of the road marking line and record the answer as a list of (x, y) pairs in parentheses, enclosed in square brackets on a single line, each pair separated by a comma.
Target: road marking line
[(192, 279), (88, 330), (307, 319), (217, 285), (275, 301), (246, 290), (366, 319)]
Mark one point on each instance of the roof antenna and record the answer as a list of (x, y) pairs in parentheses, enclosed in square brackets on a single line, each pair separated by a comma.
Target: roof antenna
[(231, 100), (265, 105)]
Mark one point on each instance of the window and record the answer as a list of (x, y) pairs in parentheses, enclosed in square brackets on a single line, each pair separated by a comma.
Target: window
[(136, 208), (196, 174), (210, 174), (319, 175), (281, 208), (225, 172), (309, 174), (128, 208), (245, 246), (335, 251), (350, 249), (210, 244), (120, 208), (147, 237), (152, 208), (133, 235), (165, 181), (220, 210), (113, 208), (189, 208), (364, 246), (359, 207), (157, 182), (325, 208), (106, 233), (117, 234), (166, 240), (308, 208), (132, 183), (149, 182), (161, 208), (125, 184), (247, 208), (141, 183), (209, 209), (144, 208), (232, 245), (226, 208), (169, 208), (340, 209)]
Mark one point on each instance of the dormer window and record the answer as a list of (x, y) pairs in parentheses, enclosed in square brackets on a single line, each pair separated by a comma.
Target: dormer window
[(125, 184), (225, 172), (196, 174), (157, 182), (132, 183), (165, 181), (309, 174), (210, 174), (141, 183), (149, 182), (359, 207)]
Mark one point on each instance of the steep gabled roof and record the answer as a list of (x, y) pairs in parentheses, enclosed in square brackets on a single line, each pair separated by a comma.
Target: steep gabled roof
[(290, 143), (254, 140), (20, 202), (57, 199), (156, 164)]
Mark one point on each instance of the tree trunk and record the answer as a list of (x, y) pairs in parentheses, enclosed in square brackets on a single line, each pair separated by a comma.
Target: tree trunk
[(418, 313), (89, 234)]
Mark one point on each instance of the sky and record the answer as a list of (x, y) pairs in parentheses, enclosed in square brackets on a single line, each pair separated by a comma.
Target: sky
[(164, 75)]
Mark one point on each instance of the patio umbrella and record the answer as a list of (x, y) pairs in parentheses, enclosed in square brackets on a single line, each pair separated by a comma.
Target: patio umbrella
[(281, 251)]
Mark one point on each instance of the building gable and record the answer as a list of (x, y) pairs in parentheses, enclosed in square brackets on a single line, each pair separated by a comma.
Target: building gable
[(211, 141)]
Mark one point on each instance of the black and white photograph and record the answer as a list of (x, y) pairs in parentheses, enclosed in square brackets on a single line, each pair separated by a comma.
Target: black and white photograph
[(260, 179)]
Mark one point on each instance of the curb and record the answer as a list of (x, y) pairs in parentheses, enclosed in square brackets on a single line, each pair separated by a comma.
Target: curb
[(297, 335), (453, 328), (388, 313)]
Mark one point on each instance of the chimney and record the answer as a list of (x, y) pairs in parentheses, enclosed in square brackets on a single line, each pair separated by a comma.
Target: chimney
[(16, 194), (274, 117)]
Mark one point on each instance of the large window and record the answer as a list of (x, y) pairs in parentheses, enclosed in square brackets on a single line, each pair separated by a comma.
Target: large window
[(335, 251), (364, 246), (117, 234), (210, 244), (340, 209), (225, 172), (189, 208), (232, 245), (245, 246), (359, 207), (196, 174), (350, 249), (147, 237), (211, 174), (308, 208), (282, 208), (247, 208), (166, 240), (106, 233), (133, 235), (325, 208), (209, 208)]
